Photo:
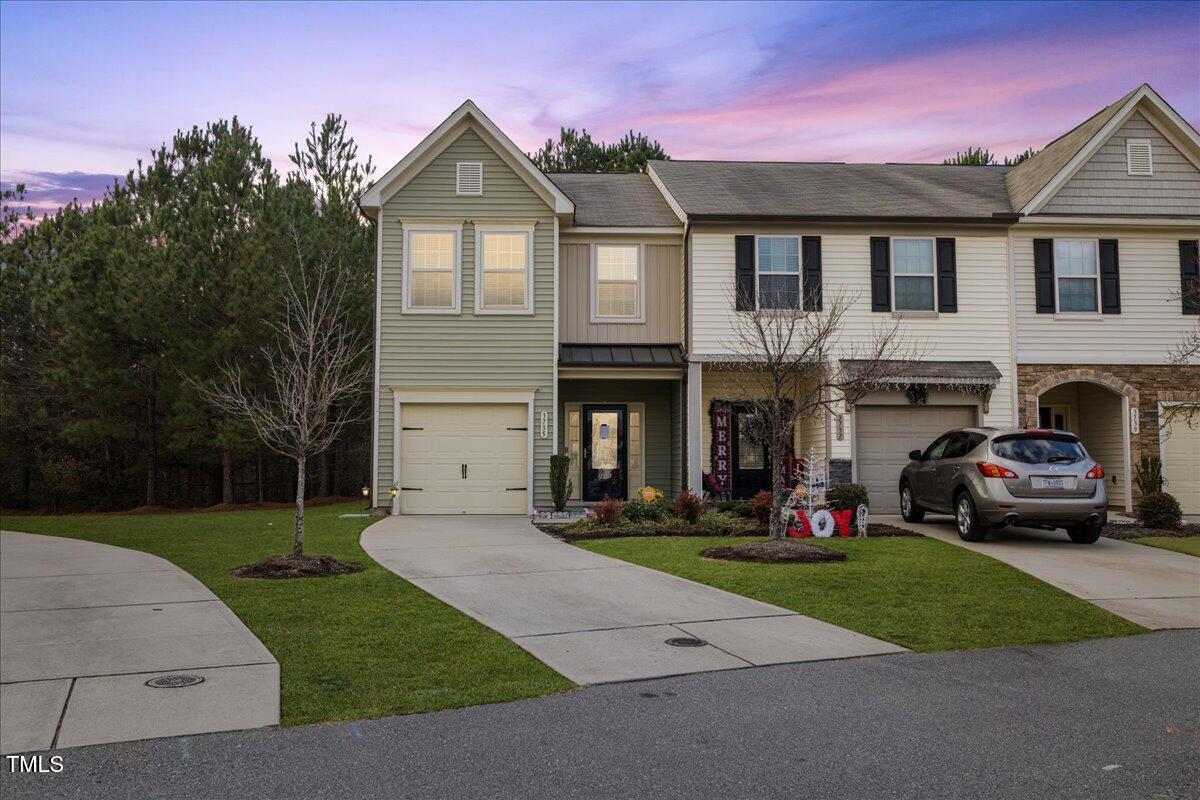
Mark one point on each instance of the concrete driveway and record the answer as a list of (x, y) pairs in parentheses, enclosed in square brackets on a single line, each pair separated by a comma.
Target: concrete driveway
[(1150, 586), (593, 618), (84, 625)]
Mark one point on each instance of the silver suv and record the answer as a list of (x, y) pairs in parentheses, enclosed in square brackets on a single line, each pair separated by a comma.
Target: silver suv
[(989, 478)]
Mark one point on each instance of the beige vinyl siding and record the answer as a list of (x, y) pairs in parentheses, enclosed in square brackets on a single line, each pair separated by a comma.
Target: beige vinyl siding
[(662, 269), (978, 331), (1151, 321), (464, 351), (1103, 185)]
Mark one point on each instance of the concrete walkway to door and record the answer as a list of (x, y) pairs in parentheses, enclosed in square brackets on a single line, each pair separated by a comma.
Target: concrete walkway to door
[(1150, 586), (593, 618), (84, 625)]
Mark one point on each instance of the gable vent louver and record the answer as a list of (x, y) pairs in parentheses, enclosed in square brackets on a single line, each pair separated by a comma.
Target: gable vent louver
[(1138, 153), (469, 178)]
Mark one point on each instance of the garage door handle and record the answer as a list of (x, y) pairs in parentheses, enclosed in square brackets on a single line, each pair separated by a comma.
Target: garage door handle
[(410, 489), (515, 489), (464, 471)]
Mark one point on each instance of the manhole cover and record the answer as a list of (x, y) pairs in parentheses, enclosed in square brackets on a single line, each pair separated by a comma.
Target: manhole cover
[(686, 641), (174, 681)]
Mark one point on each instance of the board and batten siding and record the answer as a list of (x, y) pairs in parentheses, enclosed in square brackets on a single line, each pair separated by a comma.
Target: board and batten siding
[(978, 331), (466, 351), (1103, 185), (662, 267), (1151, 321)]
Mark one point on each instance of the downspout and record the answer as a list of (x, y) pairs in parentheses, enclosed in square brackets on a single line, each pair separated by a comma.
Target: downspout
[(687, 348)]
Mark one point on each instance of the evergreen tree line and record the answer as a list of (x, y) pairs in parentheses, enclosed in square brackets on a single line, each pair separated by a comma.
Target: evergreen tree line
[(114, 316)]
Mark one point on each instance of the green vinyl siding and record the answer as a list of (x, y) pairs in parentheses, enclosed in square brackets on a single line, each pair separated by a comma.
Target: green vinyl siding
[(466, 351)]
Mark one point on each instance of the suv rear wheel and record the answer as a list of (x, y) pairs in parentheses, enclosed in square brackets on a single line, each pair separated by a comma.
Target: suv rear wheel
[(966, 519), (1084, 533), (908, 505)]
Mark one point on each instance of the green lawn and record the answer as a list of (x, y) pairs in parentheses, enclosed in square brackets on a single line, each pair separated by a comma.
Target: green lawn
[(1185, 544), (353, 646), (917, 592)]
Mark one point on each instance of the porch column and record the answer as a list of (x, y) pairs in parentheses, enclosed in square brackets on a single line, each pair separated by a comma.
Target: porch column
[(695, 422)]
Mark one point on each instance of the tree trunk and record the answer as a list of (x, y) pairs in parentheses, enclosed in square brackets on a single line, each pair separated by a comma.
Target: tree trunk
[(258, 473), (298, 535), (323, 464), (151, 449), (226, 476)]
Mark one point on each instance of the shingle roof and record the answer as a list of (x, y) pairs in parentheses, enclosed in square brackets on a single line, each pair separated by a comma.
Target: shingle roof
[(977, 372), (1030, 176), (788, 189), (615, 199), (620, 355)]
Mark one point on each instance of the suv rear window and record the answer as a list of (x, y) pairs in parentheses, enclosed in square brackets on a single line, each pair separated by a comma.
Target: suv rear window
[(1038, 449)]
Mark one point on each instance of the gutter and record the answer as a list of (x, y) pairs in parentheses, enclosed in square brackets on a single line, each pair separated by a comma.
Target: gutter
[(995, 219)]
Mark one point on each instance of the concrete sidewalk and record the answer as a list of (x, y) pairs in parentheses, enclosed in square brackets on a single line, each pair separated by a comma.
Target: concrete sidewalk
[(593, 618), (1148, 585), (84, 625)]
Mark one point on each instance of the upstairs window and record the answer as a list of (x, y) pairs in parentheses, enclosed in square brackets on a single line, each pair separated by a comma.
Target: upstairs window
[(913, 271), (431, 268), (505, 269), (468, 178), (1139, 157), (617, 290), (1076, 275), (778, 266)]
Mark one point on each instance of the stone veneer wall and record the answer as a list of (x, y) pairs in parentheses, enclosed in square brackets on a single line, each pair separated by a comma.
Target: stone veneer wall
[(1146, 385)]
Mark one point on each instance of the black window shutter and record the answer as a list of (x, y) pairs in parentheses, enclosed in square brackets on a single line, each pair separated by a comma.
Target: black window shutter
[(1110, 277), (1043, 274), (1189, 275), (810, 251), (743, 250), (881, 290), (947, 276)]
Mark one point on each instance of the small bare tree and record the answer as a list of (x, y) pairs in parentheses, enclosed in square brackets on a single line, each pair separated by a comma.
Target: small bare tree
[(789, 364), (1184, 353), (316, 367)]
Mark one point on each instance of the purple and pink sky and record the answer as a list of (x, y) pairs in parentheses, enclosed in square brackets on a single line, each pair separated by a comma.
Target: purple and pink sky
[(87, 89)]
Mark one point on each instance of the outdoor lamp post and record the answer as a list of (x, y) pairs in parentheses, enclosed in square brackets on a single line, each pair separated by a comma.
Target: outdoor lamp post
[(366, 493)]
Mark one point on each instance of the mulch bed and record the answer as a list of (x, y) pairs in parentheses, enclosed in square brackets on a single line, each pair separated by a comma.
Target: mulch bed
[(777, 551), (880, 529), (295, 567), (618, 533), (1122, 530)]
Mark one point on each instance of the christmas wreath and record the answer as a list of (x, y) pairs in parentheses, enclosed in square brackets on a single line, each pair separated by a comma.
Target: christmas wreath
[(917, 394)]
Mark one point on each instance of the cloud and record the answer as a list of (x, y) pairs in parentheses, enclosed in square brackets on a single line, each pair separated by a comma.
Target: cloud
[(47, 192)]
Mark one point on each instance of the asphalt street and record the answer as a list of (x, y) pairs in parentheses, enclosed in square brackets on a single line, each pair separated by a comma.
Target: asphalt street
[(1104, 719)]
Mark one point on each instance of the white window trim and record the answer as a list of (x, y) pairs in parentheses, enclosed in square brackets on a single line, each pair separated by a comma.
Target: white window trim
[(892, 275), (799, 272), (458, 168), (421, 227), (1058, 294), (1129, 144), (482, 230), (596, 319)]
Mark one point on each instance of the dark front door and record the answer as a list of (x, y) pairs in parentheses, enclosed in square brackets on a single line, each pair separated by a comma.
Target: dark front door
[(751, 464), (605, 456)]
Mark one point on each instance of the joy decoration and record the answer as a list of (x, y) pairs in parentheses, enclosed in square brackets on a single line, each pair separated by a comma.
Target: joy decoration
[(806, 514)]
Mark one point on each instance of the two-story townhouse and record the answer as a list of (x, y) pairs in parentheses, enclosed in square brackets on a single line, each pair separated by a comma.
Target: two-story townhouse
[(1105, 285), (522, 314)]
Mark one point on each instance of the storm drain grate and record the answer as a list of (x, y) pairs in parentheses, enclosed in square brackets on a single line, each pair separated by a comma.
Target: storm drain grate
[(174, 681), (686, 641)]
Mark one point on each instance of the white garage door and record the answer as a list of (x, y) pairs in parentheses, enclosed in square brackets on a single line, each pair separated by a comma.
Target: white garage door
[(464, 459), (1181, 461), (884, 437)]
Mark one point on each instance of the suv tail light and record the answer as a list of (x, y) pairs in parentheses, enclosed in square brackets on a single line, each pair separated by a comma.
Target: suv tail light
[(1095, 473), (990, 470)]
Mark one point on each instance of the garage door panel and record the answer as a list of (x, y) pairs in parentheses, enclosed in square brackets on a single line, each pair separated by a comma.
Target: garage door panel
[(1181, 461), (490, 439), (884, 435)]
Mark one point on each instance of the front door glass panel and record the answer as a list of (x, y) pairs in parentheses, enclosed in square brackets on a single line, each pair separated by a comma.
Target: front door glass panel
[(605, 452)]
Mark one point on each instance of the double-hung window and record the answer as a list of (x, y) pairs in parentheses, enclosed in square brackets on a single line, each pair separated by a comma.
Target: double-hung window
[(1076, 275), (778, 263), (504, 269), (913, 275), (617, 295), (431, 266)]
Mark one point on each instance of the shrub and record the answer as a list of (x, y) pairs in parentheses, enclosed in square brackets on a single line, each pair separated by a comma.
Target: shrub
[(738, 508), (687, 506), (1159, 510), (638, 510), (560, 480), (1147, 474), (608, 511), (760, 506), (847, 496), (718, 523)]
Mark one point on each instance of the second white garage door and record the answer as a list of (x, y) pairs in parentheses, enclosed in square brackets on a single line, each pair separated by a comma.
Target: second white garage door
[(1181, 460), (464, 459), (884, 437)]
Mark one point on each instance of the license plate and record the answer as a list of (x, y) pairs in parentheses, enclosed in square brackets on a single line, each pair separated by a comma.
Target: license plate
[(1054, 483)]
